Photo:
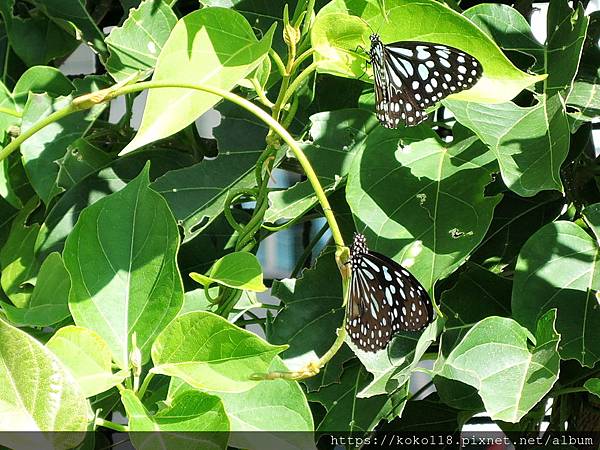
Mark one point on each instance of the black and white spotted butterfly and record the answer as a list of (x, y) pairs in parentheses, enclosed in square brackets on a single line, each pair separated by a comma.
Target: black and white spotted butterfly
[(384, 299), (411, 76)]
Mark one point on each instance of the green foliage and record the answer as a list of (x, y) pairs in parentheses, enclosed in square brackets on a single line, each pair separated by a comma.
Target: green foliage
[(134, 259)]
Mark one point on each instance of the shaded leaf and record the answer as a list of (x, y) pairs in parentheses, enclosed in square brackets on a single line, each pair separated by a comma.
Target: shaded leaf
[(49, 300), (593, 386), (312, 311), (507, 27), (44, 148), (69, 13), (17, 257), (347, 412), (40, 80), (438, 213), (334, 139), (135, 45), (530, 143), (62, 217), (558, 268)]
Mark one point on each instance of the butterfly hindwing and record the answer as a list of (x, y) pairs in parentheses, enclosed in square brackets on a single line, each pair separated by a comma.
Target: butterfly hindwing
[(416, 75), (384, 299)]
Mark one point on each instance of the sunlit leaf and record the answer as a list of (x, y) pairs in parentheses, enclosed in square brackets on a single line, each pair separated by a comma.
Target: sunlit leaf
[(495, 358), (342, 28), (211, 354), (212, 47), (124, 274)]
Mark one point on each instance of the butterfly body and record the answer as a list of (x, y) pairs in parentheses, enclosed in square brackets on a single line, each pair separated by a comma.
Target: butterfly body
[(384, 299), (411, 76)]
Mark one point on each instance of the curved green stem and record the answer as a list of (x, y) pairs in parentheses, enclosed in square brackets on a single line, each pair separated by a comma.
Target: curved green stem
[(140, 393), (55, 116), (278, 62), (295, 85), (268, 120), (89, 100), (300, 59), (113, 426)]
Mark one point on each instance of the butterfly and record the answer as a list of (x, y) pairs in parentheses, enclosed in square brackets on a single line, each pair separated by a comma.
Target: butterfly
[(384, 299), (411, 76)]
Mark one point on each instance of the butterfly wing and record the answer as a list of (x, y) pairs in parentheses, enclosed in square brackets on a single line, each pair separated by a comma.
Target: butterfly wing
[(384, 298), (419, 74)]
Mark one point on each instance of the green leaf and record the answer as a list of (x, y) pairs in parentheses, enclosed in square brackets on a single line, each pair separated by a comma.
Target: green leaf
[(36, 40), (211, 354), (530, 143), (347, 412), (198, 416), (88, 357), (37, 393), (312, 310), (40, 80), (511, 378), (239, 270), (344, 25), (62, 217), (124, 274), (82, 158), (558, 268), (393, 368), (197, 194), (507, 27), (438, 213), (272, 405), (566, 34), (515, 220), (593, 386), (211, 47), (585, 96), (196, 300), (478, 294), (335, 137), (44, 148), (17, 257), (135, 45), (7, 103), (14, 185), (425, 415), (49, 300), (70, 14)]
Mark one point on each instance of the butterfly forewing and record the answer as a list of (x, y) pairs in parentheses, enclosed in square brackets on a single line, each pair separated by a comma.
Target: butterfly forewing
[(384, 299), (416, 75)]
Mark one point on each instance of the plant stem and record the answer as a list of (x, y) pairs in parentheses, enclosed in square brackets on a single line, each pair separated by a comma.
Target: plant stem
[(113, 426), (55, 116), (566, 391), (145, 384), (278, 62), (295, 85), (268, 120), (300, 59)]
